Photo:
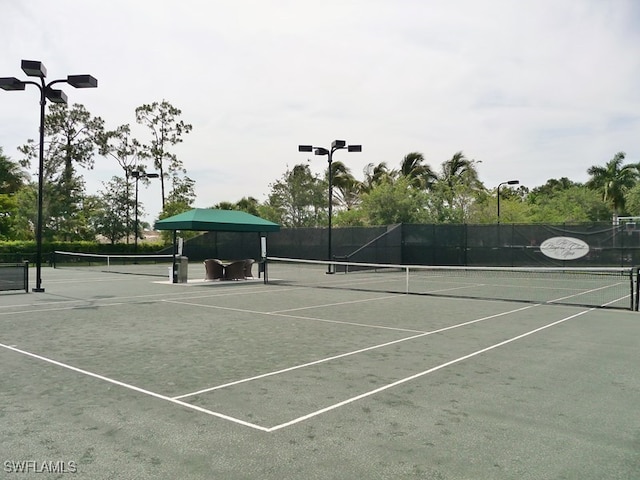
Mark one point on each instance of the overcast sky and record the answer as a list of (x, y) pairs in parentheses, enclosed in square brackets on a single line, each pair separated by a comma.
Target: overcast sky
[(534, 89)]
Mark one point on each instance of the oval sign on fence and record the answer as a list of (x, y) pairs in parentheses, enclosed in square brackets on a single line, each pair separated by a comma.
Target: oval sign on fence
[(564, 248)]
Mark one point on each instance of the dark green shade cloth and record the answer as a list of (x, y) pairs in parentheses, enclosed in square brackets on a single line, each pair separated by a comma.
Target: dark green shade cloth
[(212, 220)]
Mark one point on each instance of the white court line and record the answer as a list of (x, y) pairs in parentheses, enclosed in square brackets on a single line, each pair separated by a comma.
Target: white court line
[(109, 302), (626, 297), (217, 307), (299, 317), (244, 291), (88, 304), (346, 282), (342, 355), (73, 307), (342, 322), (421, 374), (556, 300), (336, 303), (105, 302), (82, 280), (588, 291), (449, 289), (134, 388)]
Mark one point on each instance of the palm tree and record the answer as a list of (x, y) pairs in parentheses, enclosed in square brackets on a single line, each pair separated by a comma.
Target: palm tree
[(614, 180), (375, 174), (459, 169), (419, 174), (459, 173), (224, 205), (457, 188), (248, 204), (347, 188)]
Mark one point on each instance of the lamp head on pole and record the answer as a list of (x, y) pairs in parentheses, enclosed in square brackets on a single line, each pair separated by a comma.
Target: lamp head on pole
[(11, 83), (56, 96), (33, 68), (141, 174), (509, 182), (82, 81)]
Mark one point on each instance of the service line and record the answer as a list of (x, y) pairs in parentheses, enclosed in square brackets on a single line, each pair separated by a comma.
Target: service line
[(421, 374), (355, 352)]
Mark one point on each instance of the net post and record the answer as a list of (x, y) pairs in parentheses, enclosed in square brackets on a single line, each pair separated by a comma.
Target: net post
[(263, 257), (635, 297), (26, 276), (406, 287)]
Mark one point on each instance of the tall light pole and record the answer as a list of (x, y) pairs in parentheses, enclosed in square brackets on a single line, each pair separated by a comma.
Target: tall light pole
[(34, 68), (137, 174), (335, 145), (509, 182)]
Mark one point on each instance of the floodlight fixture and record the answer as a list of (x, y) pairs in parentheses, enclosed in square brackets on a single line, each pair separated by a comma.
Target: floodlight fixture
[(354, 148), (336, 144), (82, 81), (56, 96), (305, 148), (33, 68), (321, 151), (141, 174), (11, 83)]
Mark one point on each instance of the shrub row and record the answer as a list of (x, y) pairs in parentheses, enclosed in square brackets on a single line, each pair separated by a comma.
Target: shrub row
[(17, 251)]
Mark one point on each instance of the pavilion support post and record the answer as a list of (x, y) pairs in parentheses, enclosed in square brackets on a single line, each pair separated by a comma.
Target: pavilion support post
[(174, 275), (263, 256)]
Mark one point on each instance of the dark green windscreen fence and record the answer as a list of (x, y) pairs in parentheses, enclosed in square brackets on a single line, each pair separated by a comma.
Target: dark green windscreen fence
[(222, 245), (448, 244), (14, 276)]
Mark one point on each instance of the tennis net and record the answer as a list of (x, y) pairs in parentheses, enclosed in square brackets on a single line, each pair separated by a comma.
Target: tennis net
[(592, 287), (151, 265), (14, 276)]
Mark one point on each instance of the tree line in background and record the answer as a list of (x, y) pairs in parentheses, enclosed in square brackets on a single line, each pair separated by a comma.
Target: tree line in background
[(414, 192), (73, 139)]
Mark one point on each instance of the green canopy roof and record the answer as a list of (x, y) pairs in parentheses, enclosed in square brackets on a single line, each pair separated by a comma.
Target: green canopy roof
[(207, 219)]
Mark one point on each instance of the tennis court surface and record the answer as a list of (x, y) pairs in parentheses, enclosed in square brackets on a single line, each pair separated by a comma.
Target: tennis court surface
[(110, 376)]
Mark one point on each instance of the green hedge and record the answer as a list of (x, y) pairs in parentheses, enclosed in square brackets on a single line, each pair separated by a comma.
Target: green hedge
[(17, 251)]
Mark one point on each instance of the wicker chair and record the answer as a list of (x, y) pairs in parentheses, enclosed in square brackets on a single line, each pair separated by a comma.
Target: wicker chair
[(247, 267), (213, 269), (234, 271)]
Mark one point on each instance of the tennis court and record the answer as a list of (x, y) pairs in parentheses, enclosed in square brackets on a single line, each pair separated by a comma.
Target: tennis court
[(129, 376)]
